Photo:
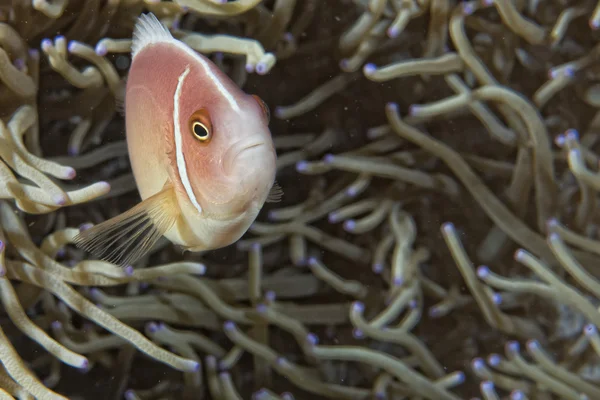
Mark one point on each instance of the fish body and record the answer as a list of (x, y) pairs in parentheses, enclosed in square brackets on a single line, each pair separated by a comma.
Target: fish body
[(200, 149)]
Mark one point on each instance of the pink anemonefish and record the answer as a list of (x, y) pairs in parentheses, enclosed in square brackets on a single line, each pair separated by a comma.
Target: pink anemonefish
[(200, 148)]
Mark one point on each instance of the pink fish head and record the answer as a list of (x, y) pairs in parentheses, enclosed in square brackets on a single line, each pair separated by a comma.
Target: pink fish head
[(190, 125), (227, 146)]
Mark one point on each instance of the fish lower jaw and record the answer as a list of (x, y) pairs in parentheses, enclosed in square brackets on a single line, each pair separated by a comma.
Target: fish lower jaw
[(204, 234)]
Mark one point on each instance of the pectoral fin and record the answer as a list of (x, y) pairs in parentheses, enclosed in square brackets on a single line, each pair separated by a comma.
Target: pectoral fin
[(128, 236), (275, 194)]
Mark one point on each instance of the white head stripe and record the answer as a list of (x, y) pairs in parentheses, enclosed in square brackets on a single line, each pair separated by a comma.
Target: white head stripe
[(149, 30), (181, 167), (210, 74)]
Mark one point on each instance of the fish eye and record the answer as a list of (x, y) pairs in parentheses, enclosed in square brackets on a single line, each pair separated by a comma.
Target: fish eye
[(200, 125), (200, 131)]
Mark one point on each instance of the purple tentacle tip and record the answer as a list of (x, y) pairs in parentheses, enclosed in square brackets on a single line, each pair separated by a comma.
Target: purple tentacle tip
[(279, 111), (195, 366), (229, 325), (393, 32), (85, 227), (448, 227), (413, 109), (350, 225), (56, 325), (497, 298), (312, 261), (46, 44), (129, 270), (468, 9), (250, 68), (301, 166), (487, 385), (19, 63), (483, 271), (270, 296), (152, 327), (569, 71), (357, 333), (312, 339), (101, 49), (590, 329), (477, 363), (261, 308), (85, 365), (460, 377), (572, 134), (106, 185), (494, 360), (433, 312), (369, 68), (1, 246), (351, 191), (328, 158), (512, 346), (358, 307), (533, 344), (71, 173), (261, 68), (72, 46), (517, 395), (377, 268), (520, 254), (332, 217), (129, 395), (392, 106), (60, 200)]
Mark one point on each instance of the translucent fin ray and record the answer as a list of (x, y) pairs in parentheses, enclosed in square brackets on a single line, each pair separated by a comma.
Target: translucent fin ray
[(275, 194), (141, 227), (149, 30)]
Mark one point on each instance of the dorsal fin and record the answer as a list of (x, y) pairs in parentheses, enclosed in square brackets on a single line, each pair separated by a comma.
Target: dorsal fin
[(149, 30), (275, 194)]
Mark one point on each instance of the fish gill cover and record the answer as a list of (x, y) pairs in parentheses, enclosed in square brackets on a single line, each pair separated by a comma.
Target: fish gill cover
[(438, 235)]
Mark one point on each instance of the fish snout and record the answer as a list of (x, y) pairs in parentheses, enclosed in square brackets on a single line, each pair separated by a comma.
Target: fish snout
[(253, 167), (246, 154)]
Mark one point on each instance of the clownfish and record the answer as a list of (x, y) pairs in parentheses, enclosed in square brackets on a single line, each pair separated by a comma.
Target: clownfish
[(200, 149)]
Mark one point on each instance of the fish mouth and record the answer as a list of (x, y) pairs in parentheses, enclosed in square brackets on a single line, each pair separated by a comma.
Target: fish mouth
[(241, 152), (246, 150), (251, 146)]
